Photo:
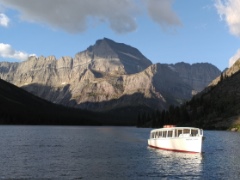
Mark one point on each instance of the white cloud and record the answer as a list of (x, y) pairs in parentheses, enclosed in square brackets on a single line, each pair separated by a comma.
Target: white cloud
[(77, 15), (233, 59), (161, 12), (229, 10), (6, 51), (4, 20)]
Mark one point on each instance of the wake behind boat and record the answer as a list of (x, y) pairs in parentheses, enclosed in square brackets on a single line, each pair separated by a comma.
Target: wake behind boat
[(181, 139)]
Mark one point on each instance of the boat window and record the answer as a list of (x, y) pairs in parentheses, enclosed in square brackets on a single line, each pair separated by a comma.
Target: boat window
[(164, 133), (160, 134), (157, 134), (186, 131), (175, 133), (153, 134), (170, 133), (194, 132), (179, 132)]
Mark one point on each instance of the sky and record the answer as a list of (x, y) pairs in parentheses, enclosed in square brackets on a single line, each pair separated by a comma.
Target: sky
[(165, 31)]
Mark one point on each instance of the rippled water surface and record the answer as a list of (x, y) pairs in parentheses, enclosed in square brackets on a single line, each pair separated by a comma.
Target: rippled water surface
[(64, 152)]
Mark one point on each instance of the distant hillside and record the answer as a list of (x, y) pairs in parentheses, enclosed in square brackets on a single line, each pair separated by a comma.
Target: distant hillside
[(17, 106), (217, 107)]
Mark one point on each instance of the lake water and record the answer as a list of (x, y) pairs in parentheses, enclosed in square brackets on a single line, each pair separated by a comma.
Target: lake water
[(68, 152)]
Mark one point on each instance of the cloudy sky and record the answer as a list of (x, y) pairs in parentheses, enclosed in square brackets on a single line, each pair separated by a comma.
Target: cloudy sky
[(165, 31)]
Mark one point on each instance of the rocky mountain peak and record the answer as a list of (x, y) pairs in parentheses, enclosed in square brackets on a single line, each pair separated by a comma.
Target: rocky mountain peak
[(111, 57), (107, 47), (102, 48)]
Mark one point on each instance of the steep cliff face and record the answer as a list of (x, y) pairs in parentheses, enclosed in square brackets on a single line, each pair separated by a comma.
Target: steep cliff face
[(198, 75), (106, 76)]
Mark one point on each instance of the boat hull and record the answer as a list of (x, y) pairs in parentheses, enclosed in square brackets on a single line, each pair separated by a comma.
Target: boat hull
[(184, 144)]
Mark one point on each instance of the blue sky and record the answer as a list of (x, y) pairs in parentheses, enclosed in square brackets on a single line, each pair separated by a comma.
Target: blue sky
[(165, 31)]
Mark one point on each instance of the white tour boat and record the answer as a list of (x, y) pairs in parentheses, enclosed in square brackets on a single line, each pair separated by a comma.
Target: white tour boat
[(181, 139)]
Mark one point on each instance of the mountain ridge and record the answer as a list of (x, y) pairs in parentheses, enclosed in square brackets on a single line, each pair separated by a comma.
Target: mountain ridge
[(95, 77)]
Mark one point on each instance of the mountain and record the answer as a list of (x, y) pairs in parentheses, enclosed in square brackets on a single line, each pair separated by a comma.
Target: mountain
[(216, 107), (220, 101), (110, 77)]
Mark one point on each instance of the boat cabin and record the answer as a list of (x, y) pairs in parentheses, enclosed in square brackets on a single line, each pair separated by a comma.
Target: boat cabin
[(176, 132)]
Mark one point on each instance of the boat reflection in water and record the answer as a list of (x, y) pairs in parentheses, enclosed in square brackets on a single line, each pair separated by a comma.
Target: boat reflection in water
[(171, 165)]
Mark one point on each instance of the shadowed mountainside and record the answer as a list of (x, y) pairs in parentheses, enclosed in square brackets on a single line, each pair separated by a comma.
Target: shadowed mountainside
[(216, 107), (17, 106)]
